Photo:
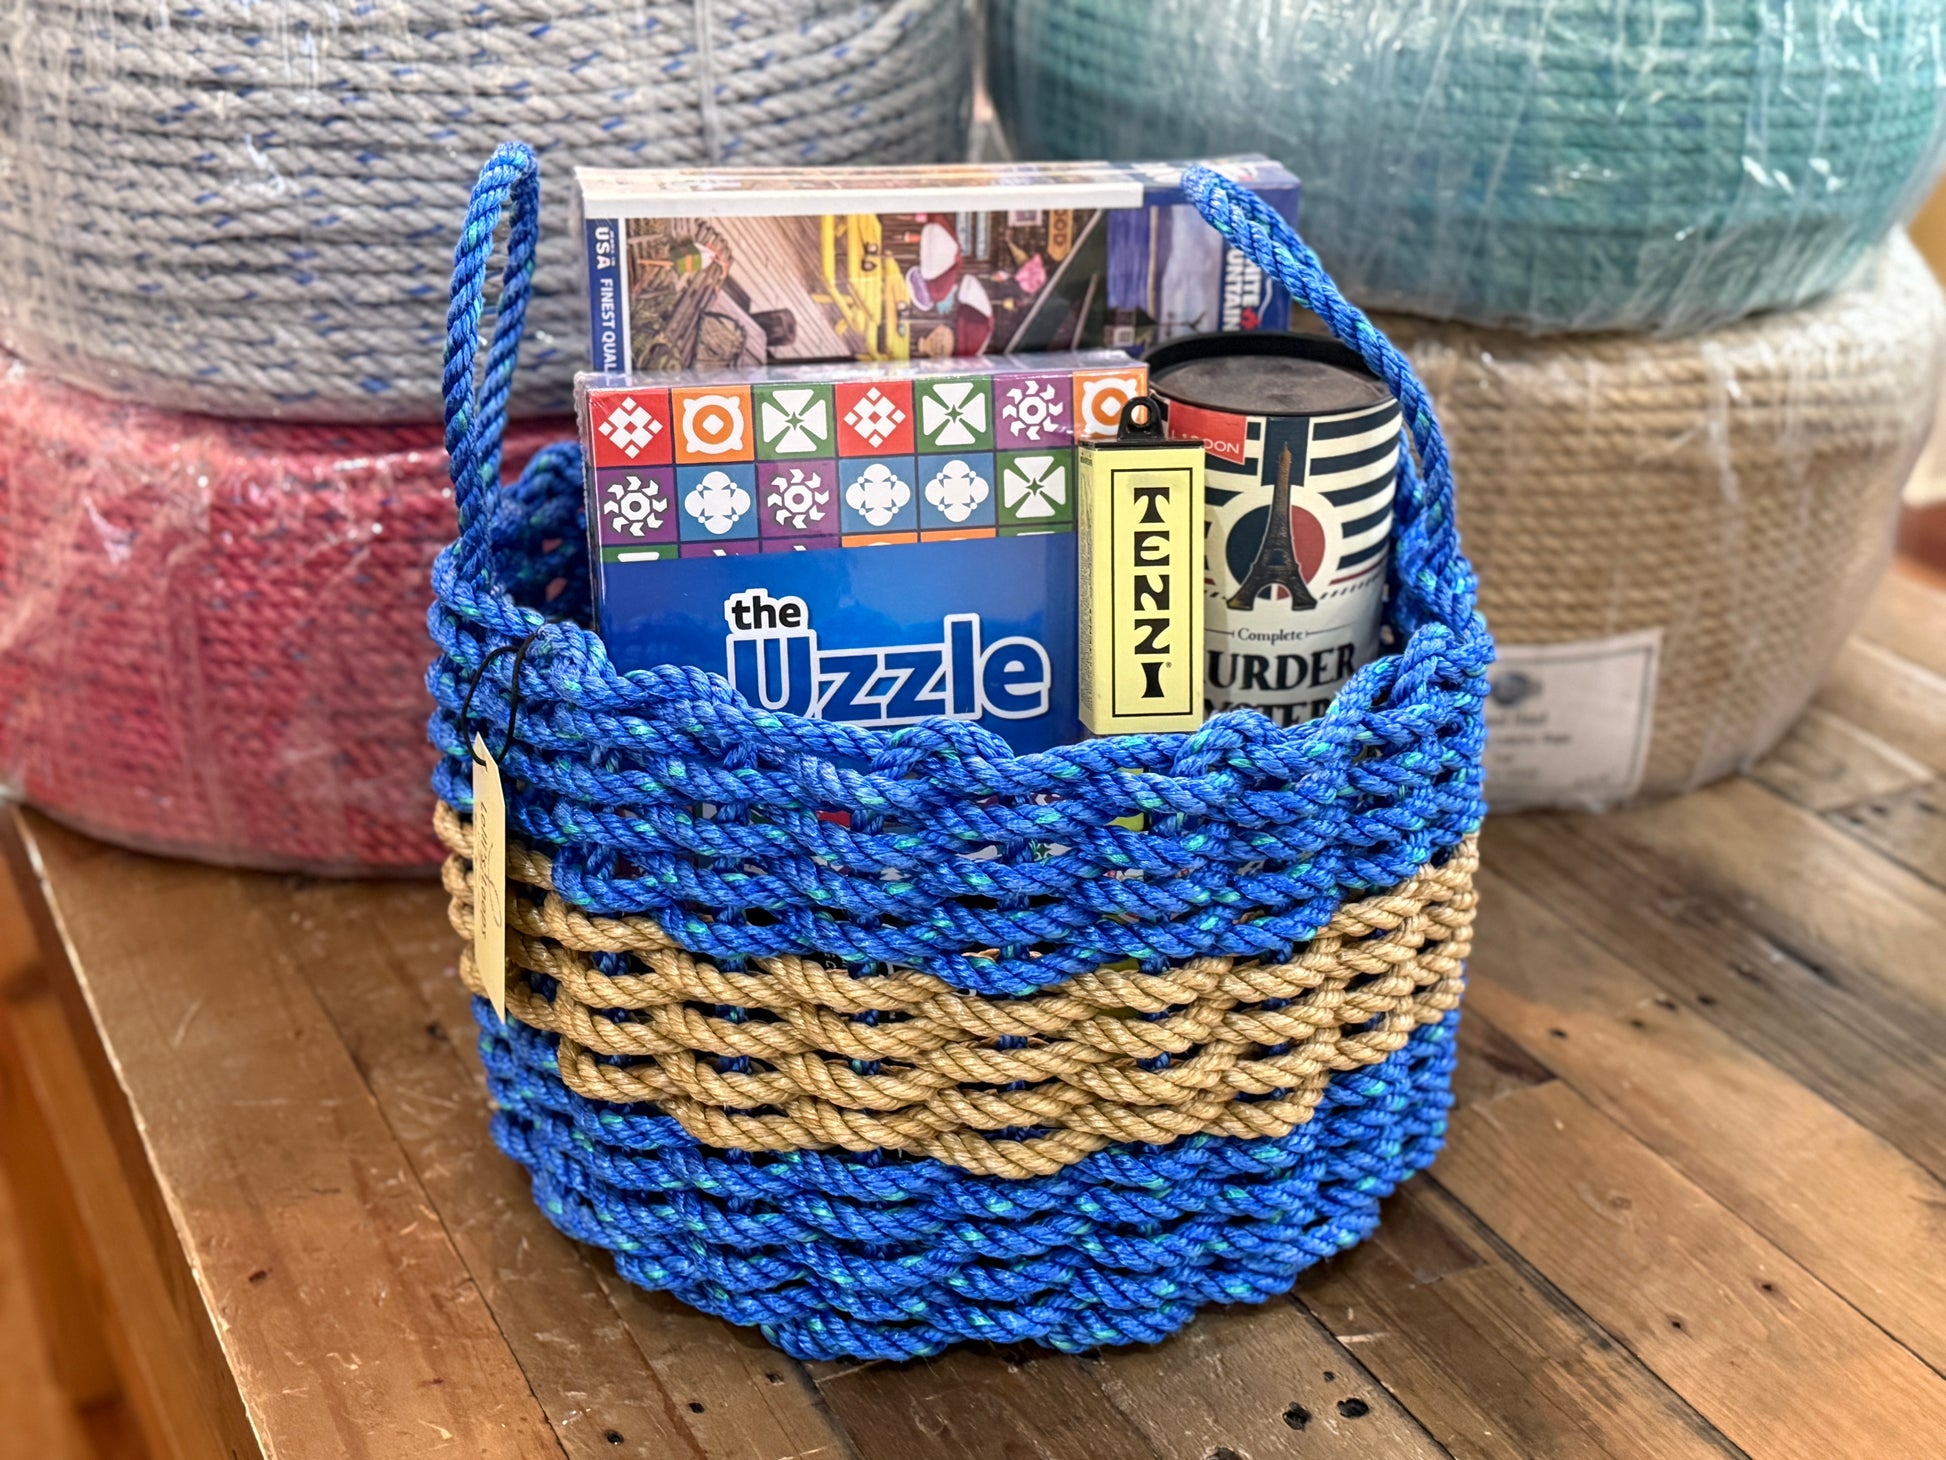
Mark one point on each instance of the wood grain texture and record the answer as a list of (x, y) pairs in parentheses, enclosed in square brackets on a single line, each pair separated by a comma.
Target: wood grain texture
[(1799, 1171), (1907, 615), (1270, 1383), (983, 1404), (392, 992), (63, 1283), (1728, 1320), (40, 1421), (1491, 1357), (1907, 826), (1903, 703), (349, 1322), (169, 1362), (737, 1394), (1874, 1055), (1803, 883), (1827, 762)]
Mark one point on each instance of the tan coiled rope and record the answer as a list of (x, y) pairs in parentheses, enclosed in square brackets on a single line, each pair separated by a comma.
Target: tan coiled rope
[(1732, 491)]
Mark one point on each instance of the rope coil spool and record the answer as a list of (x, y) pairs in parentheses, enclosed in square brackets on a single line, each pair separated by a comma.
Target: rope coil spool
[(1539, 165), (886, 1040), (1735, 491), (247, 209), (211, 632)]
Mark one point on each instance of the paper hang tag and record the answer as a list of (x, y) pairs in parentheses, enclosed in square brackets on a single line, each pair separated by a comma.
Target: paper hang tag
[(490, 877)]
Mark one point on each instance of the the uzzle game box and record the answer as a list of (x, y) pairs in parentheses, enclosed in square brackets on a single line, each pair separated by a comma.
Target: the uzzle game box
[(703, 269), (871, 543)]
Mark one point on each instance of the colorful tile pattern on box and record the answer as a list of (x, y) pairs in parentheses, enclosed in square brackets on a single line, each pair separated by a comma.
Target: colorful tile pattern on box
[(717, 502), (799, 500), (1034, 411), (958, 474), (631, 428), (956, 492), (635, 505), (1036, 488), (874, 416), (713, 423), (846, 455), (1099, 398), (794, 421), (880, 494), (955, 415)]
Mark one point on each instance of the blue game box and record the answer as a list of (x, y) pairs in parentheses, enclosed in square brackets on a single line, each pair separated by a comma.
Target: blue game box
[(866, 543)]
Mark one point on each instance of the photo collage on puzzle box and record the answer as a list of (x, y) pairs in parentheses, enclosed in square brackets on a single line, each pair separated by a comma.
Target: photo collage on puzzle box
[(793, 465)]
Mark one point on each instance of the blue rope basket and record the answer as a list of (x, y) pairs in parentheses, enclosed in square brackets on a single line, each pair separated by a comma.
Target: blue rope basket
[(709, 964)]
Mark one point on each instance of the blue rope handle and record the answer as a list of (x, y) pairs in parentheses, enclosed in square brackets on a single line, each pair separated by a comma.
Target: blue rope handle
[(1434, 580), (476, 401)]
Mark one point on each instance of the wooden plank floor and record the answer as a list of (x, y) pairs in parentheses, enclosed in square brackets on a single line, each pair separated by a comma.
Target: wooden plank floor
[(1692, 1204)]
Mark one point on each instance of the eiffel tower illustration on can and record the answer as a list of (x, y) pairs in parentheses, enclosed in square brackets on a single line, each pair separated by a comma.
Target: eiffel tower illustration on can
[(1275, 566), (1302, 446)]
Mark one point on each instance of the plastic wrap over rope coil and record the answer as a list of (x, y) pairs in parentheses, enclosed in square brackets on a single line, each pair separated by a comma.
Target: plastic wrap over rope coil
[(1540, 165), (1732, 495), (212, 634), (887, 1040), (247, 208)]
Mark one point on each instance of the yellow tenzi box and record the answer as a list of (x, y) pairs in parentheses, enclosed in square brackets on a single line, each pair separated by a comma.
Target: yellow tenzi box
[(1139, 529)]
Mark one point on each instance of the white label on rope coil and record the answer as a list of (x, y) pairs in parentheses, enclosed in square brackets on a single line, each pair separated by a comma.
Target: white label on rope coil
[(489, 877), (1569, 724)]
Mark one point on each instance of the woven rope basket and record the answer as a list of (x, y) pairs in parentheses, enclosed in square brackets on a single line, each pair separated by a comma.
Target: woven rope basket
[(888, 1040), (212, 633), (1735, 491), (1542, 165), (247, 208)]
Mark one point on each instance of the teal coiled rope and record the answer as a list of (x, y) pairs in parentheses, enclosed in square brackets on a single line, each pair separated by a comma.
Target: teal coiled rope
[(1543, 165)]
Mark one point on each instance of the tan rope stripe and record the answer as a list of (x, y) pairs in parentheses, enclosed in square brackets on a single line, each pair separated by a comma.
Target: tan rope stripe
[(672, 1030), (1384, 967)]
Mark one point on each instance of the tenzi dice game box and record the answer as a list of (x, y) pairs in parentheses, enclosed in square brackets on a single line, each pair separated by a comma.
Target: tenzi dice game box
[(867, 542), (698, 268)]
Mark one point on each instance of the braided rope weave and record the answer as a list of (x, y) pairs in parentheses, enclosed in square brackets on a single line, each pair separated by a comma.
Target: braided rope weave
[(729, 1000), (247, 209), (847, 1256), (1114, 1055)]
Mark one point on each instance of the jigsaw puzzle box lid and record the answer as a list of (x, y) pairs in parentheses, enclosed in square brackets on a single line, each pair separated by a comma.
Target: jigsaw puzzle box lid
[(696, 268), (868, 543)]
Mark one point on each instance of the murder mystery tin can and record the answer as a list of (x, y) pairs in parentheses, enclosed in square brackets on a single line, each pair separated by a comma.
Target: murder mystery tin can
[(1303, 456)]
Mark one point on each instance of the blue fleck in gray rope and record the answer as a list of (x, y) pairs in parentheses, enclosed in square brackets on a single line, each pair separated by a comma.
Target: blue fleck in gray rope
[(247, 210)]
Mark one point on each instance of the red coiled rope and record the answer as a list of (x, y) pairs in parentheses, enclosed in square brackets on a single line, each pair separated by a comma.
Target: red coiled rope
[(212, 632)]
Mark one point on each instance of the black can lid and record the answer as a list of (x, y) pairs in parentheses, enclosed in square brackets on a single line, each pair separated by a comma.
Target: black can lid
[(1264, 374)]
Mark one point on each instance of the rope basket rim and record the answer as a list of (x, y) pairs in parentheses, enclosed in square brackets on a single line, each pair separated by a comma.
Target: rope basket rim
[(1349, 803)]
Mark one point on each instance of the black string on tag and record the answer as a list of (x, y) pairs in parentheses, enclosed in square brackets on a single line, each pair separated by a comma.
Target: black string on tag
[(519, 651)]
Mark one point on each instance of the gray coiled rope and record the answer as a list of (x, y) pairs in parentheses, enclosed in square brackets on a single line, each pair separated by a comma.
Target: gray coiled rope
[(247, 208)]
